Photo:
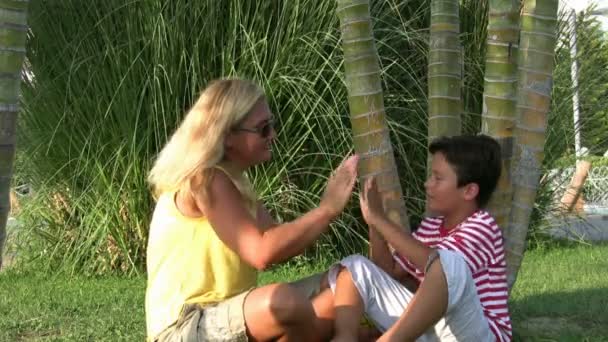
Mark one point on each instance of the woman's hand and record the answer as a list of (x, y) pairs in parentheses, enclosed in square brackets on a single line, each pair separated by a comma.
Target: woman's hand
[(340, 186), (371, 202)]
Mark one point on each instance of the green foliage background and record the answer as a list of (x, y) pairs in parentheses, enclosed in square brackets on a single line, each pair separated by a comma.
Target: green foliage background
[(110, 80)]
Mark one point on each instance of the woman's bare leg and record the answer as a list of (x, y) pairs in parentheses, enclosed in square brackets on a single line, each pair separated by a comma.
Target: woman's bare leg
[(279, 311)]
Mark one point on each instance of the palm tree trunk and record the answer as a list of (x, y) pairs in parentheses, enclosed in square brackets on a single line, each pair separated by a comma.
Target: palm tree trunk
[(537, 46), (370, 130), (445, 70), (13, 31), (500, 95)]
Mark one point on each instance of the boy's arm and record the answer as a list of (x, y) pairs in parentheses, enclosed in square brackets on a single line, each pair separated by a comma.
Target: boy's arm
[(373, 213), (413, 250), (381, 255)]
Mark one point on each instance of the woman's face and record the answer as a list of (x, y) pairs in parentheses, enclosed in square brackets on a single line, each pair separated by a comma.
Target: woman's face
[(250, 142)]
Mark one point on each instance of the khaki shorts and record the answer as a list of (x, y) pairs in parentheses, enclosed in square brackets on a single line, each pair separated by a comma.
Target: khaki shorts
[(225, 320)]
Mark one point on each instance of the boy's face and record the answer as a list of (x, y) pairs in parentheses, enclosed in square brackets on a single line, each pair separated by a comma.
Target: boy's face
[(443, 196)]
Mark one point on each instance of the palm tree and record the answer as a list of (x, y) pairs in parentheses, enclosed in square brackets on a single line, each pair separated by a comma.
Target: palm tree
[(12, 51), (445, 70), (537, 45), (500, 94), (365, 99)]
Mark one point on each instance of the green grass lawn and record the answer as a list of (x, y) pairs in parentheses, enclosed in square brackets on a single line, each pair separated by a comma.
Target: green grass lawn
[(561, 295)]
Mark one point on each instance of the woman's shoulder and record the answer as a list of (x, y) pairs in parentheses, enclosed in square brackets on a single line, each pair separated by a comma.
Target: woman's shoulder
[(167, 209), (227, 177)]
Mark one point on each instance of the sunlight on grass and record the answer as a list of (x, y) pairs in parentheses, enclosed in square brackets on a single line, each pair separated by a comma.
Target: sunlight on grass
[(561, 295), (34, 308)]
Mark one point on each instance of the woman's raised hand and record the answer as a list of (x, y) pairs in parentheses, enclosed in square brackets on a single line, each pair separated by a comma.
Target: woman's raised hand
[(340, 186)]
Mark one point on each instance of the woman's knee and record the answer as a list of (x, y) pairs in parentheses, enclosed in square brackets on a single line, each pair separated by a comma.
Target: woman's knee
[(287, 304), (273, 310)]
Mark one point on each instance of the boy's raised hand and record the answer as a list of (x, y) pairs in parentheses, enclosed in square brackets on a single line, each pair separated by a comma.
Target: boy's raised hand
[(371, 201), (340, 186)]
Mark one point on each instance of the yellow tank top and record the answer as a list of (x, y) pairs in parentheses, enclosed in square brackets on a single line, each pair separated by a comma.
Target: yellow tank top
[(188, 263)]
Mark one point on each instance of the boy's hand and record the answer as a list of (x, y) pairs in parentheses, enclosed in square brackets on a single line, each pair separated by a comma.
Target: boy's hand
[(340, 186), (371, 202)]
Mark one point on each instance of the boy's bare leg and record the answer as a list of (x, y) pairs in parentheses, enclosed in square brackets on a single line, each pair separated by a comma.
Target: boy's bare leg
[(348, 308), (427, 307), (323, 305)]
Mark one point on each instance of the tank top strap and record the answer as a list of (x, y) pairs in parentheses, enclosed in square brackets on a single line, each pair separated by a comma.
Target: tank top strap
[(243, 184)]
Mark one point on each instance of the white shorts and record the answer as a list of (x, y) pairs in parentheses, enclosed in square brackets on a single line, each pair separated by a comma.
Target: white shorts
[(385, 299)]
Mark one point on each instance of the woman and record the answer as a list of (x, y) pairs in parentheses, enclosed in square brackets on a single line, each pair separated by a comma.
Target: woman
[(209, 236)]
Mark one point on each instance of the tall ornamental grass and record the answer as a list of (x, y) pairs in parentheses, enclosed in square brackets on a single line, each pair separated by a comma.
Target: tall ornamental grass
[(110, 80)]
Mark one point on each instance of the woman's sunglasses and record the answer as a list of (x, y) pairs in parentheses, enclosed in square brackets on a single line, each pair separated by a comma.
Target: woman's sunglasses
[(263, 131)]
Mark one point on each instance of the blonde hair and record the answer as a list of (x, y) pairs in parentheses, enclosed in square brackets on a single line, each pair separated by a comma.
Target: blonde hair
[(187, 161)]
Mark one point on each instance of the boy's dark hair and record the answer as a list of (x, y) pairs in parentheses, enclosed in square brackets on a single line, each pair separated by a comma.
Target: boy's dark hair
[(475, 158)]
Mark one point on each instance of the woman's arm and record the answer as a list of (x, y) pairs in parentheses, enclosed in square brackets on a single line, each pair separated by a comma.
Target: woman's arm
[(261, 248), (265, 220)]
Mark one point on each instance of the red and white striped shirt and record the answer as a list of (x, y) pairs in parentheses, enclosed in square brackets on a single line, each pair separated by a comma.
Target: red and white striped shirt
[(479, 240)]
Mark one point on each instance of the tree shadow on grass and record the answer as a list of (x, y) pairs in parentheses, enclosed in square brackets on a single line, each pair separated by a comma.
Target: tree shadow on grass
[(562, 316)]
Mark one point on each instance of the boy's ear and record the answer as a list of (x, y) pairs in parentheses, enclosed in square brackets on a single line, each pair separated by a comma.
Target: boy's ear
[(471, 191)]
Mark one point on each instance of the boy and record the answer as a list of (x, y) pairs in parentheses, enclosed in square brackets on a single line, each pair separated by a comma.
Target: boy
[(457, 257)]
